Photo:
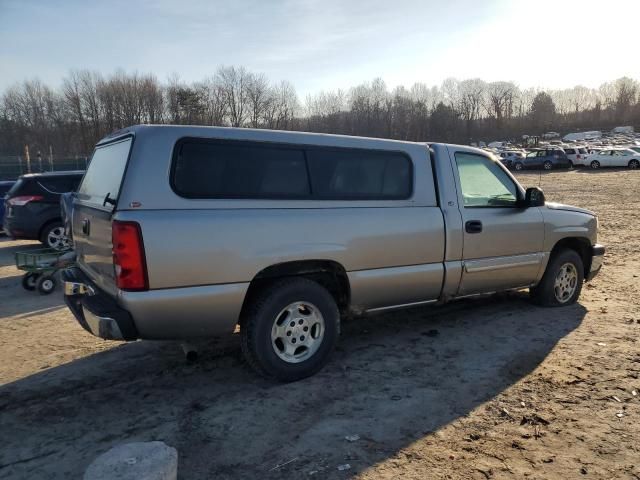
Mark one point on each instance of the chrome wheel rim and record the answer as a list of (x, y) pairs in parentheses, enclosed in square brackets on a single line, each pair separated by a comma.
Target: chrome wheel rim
[(547, 166), (633, 164), (297, 332), (518, 166), (566, 282), (595, 165), (57, 239), (47, 285)]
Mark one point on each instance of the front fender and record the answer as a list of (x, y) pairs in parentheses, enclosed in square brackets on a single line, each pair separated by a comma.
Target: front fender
[(561, 223)]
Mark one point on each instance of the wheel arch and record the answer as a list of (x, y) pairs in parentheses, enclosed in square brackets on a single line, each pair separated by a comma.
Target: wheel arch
[(581, 245), (328, 273), (46, 224)]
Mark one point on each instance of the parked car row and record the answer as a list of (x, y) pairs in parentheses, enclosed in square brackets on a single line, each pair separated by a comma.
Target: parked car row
[(618, 148), (32, 207), (564, 156)]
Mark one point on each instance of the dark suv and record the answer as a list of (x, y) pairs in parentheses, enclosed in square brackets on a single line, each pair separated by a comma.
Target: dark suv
[(32, 207), (547, 159)]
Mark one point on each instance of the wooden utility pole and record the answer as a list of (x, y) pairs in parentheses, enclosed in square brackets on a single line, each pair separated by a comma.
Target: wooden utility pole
[(50, 158), (28, 158)]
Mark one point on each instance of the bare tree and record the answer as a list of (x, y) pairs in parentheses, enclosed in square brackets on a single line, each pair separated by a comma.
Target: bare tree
[(500, 101), (471, 98), (626, 93), (213, 101), (257, 87), (234, 82), (71, 87), (89, 105)]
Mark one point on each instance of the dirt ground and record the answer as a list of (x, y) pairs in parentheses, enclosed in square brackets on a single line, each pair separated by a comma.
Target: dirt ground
[(485, 388)]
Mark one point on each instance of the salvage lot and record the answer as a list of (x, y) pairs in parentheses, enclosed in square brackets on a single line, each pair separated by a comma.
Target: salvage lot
[(484, 388)]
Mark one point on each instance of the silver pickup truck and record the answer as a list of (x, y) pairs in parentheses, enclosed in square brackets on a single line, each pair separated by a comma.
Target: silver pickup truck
[(184, 232)]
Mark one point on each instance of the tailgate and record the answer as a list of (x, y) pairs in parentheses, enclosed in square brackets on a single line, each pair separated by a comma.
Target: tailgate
[(93, 210)]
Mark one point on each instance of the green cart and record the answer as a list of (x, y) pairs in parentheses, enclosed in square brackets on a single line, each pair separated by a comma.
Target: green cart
[(41, 266)]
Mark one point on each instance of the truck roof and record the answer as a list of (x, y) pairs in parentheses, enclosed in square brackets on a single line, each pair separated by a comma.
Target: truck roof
[(259, 134)]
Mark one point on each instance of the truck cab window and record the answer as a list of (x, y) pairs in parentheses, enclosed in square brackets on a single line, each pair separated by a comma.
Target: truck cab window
[(484, 183)]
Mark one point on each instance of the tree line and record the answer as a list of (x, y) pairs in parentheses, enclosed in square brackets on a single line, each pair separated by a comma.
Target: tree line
[(88, 105)]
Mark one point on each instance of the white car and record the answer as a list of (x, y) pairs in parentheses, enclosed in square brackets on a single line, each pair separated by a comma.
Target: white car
[(577, 155), (509, 157), (615, 157)]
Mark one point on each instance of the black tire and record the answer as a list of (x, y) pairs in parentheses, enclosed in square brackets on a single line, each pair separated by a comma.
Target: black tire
[(260, 315), (570, 165), (29, 281), (46, 284), (545, 292), (547, 165), (594, 164), (518, 166), (634, 164), (51, 234)]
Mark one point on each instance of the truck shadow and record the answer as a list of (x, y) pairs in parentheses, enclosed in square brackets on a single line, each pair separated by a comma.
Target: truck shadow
[(394, 379)]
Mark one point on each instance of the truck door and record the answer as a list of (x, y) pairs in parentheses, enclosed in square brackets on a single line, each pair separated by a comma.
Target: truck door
[(502, 242)]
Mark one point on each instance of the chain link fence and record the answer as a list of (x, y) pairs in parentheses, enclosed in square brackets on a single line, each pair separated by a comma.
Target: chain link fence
[(12, 166)]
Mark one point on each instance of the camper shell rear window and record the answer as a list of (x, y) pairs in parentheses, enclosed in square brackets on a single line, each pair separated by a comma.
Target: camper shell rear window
[(104, 175)]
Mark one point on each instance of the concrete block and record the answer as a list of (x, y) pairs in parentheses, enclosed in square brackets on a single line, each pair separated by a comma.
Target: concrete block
[(135, 461)]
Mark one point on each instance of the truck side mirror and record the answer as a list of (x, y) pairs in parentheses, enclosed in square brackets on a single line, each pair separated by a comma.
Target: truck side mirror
[(533, 197)]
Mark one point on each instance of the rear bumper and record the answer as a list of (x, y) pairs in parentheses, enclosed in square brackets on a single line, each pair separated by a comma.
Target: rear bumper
[(164, 314), (597, 257), (95, 311), (21, 228)]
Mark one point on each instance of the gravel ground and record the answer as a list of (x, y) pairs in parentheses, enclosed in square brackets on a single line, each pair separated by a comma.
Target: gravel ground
[(485, 388)]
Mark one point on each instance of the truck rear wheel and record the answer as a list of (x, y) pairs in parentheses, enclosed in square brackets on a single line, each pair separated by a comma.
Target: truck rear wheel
[(562, 281), (289, 329)]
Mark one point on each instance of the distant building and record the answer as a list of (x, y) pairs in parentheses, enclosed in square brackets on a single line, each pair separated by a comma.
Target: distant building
[(550, 135)]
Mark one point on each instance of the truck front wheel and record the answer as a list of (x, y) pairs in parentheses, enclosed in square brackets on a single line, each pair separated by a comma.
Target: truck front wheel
[(289, 329), (562, 281)]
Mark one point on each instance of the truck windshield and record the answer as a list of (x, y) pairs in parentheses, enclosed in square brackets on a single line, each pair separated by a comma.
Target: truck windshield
[(105, 172)]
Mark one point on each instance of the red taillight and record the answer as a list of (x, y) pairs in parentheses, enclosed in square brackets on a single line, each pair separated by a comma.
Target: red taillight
[(22, 200), (128, 256)]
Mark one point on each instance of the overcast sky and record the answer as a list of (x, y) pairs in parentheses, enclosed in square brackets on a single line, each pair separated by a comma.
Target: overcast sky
[(326, 44)]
